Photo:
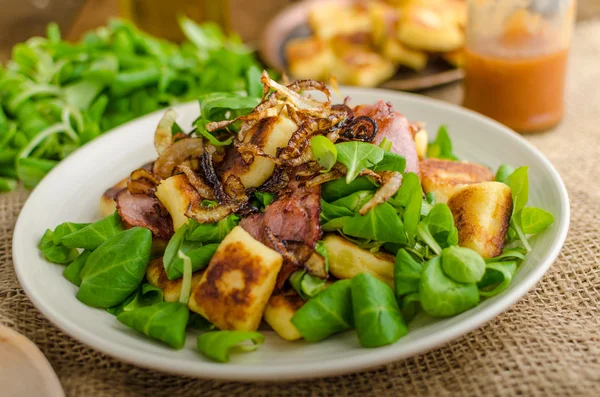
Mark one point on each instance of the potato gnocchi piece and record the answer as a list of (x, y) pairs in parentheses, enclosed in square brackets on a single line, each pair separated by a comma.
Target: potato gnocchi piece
[(363, 68), (108, 205), (423, 28), (156, 275), (237, 283), (269, 134), (176, 194), (347, 260), (445, 177), (310, 58), (482, 215), (279, 311), (394, 50), (329, 20)]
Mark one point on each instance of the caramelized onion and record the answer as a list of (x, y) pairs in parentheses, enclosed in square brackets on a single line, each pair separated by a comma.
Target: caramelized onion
[(196, 181), (279, 180), (176, 154), (316, 265), (362, 128), (372, 174), (235, 189), (292, 96), (208, 215), (163, 137), (141, 181), (391, 182), (320, 179), (213, 180), (142, 173), (278, 246)]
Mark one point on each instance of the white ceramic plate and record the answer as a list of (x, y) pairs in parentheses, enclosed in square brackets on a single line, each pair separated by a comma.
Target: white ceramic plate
[(72, 190)]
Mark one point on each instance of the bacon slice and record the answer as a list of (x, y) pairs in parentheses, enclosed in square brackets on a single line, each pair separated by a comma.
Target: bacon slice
[(293, 219), (145, 211), (396, 128)]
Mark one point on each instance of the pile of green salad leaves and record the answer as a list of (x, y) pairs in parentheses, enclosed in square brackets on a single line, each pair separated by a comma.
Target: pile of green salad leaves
[(108, 264), (55, 96), (432, 274)]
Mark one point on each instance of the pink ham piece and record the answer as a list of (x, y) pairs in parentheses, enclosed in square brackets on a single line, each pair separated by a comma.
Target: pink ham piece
[(396, 128), (144, 211), (294, 220)]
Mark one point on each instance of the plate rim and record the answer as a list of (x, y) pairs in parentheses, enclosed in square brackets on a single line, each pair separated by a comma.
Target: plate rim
[(371, 358)]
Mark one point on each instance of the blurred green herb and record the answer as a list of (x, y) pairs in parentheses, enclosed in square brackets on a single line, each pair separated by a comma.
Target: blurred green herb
[(55, 96)]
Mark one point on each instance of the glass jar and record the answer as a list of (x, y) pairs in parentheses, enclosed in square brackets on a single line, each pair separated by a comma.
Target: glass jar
[(159, 17), (516, 60)]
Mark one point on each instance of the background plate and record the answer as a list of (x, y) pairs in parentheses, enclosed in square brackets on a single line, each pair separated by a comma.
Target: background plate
[(292, 23), (72, 190)]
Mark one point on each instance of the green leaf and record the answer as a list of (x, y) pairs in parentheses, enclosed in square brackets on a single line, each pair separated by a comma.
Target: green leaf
[(253, 85), (53, 32), (211, 232), (332, 211), (56, 253), (386, 144), (407, 274), (217, 345), (512, 254), (377, 317), (519, 186), (504, 171), (7, 184), (145, 295), (306, 285), (518, 182), (336, 224), (327, 313), (198, 253), (206, 37), (265, 198), (410, 306), (441, 148), (380, 223), (218, 106), (66, 228), (497, 278), (73, 271), (462, 264), (199, 323), (535, 220), (355, 201), (324, 151), (437, 230), (440, 296), (164, 321), (391, 162), (92, 235), (410, 197), (336, 189), (81, 94), (31, 171), (115, 268), (358, 156)]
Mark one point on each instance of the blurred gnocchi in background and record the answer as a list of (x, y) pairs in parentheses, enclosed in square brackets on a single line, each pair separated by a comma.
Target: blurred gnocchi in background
[(365, 42)]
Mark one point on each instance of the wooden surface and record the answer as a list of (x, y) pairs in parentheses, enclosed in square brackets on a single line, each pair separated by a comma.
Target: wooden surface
[(20, 19)]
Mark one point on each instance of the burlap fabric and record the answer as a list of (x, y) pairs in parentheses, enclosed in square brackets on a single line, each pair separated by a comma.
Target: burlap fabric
[(548, 344)]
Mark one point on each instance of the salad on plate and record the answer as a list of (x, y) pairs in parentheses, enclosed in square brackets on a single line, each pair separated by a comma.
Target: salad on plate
[(292, 213)]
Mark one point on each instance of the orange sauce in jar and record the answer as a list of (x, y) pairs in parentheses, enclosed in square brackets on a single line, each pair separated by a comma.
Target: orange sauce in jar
[(526, 94), (518, 77)]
